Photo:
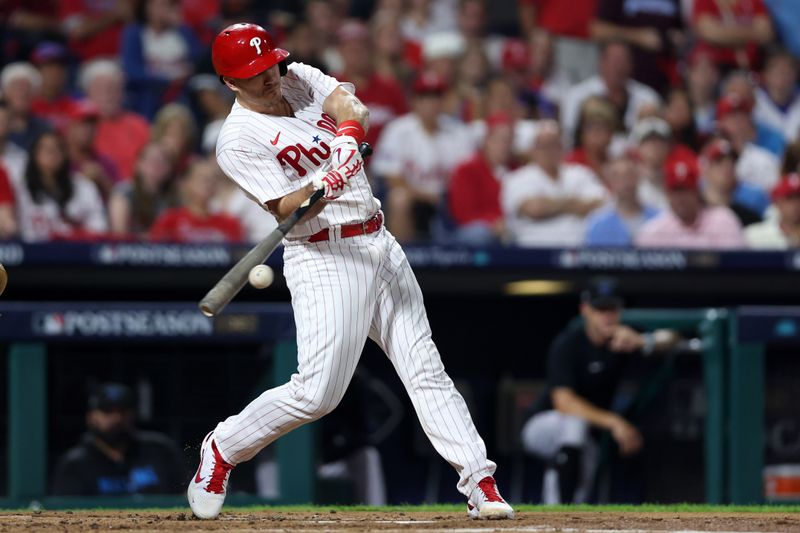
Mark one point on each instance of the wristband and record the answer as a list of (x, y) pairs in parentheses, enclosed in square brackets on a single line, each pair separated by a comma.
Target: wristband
[(351, 128)]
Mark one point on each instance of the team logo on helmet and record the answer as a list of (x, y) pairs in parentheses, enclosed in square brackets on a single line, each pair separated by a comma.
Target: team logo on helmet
[(256, 41)]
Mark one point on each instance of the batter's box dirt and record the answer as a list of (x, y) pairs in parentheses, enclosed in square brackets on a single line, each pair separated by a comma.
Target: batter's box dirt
[(266, 521)]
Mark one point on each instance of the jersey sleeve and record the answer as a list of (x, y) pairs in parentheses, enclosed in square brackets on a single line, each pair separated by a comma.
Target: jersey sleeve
[(257, 173), (321, 84)]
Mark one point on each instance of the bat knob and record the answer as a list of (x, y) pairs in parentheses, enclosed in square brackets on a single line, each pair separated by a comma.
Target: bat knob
[(365, 149)]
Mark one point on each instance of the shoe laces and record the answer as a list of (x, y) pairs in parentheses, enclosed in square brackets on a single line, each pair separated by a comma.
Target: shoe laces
[(219, 474), (489, 489)]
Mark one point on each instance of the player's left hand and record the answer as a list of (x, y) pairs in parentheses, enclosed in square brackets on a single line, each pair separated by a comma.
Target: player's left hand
[(626, 340)]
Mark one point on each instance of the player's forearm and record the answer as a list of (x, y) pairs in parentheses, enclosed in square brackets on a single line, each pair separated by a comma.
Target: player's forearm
[(344, 107), (568, 402), (285, 206)]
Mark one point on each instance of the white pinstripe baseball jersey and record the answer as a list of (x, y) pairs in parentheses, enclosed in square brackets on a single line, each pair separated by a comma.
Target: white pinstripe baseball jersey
[(271, 156), (343, 290)]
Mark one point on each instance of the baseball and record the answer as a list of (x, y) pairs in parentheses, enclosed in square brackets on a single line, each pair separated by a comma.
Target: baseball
[(261, 276)]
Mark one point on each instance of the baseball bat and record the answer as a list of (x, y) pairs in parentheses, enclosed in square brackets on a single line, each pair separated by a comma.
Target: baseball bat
[(232, 282)]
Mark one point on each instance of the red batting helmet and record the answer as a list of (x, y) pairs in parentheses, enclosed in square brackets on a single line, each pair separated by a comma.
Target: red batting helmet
[(244, 50)]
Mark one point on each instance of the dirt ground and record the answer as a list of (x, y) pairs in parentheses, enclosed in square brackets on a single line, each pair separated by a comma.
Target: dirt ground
[(67, 521)]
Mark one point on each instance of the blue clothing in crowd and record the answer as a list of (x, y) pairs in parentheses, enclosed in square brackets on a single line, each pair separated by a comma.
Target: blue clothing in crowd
[(785, 14), (607, 228), (751, 197)]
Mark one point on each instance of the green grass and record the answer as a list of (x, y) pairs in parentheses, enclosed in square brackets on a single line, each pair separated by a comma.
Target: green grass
[(525, 508)]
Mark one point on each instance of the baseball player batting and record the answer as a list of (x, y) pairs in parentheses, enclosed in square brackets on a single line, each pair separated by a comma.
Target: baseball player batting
[(348, 277)]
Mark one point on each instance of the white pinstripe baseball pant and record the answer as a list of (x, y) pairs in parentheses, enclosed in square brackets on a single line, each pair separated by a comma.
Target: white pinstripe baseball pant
[(344, 290)]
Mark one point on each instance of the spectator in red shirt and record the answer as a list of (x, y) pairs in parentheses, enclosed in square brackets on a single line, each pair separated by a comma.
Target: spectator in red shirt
[(384, 96), (120, 133), (79, 134), (575, 54), (203, 17), (94, 28), (732, 30), (135, 204), (474, 191), (52, 103), (194, 222), (596, 127)]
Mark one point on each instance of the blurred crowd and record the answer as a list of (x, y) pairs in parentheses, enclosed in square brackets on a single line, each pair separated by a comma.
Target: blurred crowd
[(657, 123)]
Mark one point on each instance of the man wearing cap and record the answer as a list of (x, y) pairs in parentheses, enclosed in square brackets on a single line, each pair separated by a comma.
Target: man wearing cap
[(415, 156), (721, 188), (653, 145), (688, 223), (585, 365), (52, 102), (756, 165), (783, 231), (113, 458), (79, 134)]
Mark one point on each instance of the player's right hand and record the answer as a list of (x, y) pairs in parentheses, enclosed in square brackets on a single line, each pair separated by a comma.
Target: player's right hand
[(627, 436), (333, 182)]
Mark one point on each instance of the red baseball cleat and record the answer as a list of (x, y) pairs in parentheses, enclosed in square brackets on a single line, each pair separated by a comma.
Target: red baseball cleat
[(486, 502)]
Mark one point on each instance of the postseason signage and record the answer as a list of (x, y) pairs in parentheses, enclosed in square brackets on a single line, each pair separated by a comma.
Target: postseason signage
[(214, 256), (75, 321)]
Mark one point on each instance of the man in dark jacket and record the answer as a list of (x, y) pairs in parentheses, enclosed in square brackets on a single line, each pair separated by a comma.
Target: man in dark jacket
[(114, 458)]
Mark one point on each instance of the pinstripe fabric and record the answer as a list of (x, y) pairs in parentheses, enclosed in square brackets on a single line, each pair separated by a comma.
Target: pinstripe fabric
[(246, 154), (343, 291)]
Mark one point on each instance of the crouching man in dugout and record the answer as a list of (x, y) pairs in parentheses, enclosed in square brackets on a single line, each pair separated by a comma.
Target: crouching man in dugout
[(584, 367)]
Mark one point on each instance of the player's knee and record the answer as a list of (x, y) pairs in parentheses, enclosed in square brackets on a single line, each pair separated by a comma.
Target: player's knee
[(575, 431), (320, 405)]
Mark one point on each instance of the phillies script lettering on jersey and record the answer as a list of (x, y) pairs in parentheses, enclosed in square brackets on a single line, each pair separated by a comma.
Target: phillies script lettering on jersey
[(315, 155), (272, 156)]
